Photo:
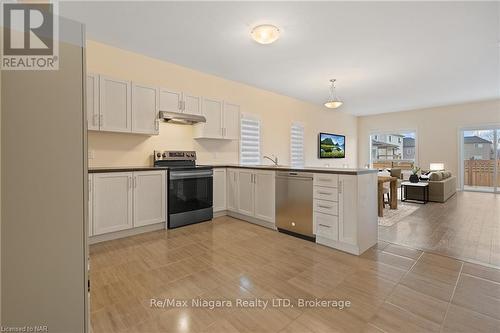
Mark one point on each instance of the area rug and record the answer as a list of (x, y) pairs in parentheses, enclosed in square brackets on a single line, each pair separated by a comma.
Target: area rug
[(393, 216)]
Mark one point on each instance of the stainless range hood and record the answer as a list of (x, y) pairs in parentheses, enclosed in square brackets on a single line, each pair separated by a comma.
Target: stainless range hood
[(181, 118)]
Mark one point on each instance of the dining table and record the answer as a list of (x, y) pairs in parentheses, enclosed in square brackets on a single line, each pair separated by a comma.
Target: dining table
[(393, 204)]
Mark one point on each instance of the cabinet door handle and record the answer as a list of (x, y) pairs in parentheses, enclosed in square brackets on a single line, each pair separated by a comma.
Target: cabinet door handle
[(324, 225), (327, 207), (325, 193), (101, 120), (324, 179), (95, 120), (341, 184), (135, 182), (157, 124), (255, 179), (179, 105)]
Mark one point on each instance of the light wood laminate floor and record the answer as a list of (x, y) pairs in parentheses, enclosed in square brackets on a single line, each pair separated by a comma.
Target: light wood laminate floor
[(466, 227), (391, 288)]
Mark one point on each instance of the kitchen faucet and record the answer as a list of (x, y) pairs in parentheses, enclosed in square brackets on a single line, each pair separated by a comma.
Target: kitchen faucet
[(274, 159)]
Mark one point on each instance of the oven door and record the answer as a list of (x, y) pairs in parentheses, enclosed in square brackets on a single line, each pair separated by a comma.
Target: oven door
[(190, 196)]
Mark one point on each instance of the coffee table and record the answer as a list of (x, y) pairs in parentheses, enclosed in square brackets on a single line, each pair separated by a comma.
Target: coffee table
[(424, 186)]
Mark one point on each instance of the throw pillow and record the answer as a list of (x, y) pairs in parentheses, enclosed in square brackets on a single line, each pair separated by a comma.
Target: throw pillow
[(435, 176)]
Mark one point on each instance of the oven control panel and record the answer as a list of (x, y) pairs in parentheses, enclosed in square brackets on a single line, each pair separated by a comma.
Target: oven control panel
[(175, 155)]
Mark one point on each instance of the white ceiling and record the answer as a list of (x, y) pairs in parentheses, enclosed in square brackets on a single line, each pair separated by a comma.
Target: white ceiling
[(387, 56)]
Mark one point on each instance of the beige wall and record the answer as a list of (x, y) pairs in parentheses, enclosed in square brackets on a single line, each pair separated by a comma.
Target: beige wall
[(276, 112), (437, 130)]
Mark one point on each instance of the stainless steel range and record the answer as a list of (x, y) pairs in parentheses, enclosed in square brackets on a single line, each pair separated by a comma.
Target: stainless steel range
[(190, 187)]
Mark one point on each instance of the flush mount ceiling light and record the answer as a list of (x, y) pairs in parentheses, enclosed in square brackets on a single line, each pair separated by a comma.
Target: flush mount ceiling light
[(265, 33), (334, 102)]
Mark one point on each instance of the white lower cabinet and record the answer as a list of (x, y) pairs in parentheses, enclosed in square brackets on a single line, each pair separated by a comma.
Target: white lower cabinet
[(232, 190), (345, 211), (255, 193), (348, 209), (112, 208), (219, 190), (264, 195), (246, 192), (90, 203), (124, 200), (149, 197)]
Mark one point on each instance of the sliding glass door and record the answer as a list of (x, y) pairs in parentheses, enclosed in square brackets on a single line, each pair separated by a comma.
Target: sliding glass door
[(481, 159)]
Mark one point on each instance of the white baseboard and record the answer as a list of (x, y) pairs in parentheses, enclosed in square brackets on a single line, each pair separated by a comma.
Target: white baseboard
[(349, 248), (253, 220), (125, 233)]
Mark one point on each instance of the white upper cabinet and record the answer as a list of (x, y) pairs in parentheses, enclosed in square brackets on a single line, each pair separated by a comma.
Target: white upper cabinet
[(170, 100), (231, 121), (222, 120), (176, 101), (191, 104), (112, 209), (212, 129), (145, 102), (115, 104), (149, 197), (92, 91)]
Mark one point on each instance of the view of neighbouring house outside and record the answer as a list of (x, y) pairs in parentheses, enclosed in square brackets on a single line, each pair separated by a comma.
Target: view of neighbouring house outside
[(481, 163), (392, 148), (478, 145)]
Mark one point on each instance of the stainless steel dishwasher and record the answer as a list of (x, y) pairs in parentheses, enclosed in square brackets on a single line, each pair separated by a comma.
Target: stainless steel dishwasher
[(294, 203)]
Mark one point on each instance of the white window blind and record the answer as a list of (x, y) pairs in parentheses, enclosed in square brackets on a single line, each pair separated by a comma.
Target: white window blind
[(249, 140), (297, 145)]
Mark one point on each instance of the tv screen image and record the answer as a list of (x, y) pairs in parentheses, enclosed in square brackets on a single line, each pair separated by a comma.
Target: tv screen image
[(331, 145)]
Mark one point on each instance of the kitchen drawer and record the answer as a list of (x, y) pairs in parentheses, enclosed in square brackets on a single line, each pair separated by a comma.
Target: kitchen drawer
[(326, 207), (328, 180), (326, 193), (326, 225)]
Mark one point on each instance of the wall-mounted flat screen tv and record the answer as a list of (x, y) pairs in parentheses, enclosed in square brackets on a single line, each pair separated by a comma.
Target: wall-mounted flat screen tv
[(331, 145)]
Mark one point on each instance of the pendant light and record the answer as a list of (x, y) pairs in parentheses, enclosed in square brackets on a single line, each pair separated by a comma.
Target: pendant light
[(334, 102)]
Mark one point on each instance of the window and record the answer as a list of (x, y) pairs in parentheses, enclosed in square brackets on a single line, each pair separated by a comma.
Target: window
[(297, 145), (249, 140), (393, 148), (479, 145)]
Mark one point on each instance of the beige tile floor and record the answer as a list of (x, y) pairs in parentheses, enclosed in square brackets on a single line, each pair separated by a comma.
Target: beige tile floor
[(391, 288), (466, 227)]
